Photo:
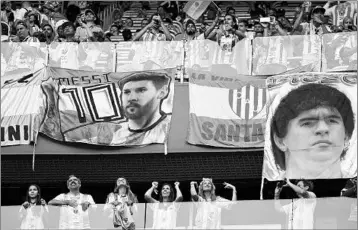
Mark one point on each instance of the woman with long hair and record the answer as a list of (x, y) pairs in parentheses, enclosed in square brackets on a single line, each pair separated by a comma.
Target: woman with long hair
[(165, 209), (120, 204), (209, 205), (33, 209)]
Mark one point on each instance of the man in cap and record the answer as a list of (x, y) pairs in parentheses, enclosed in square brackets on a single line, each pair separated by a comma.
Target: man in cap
[(315, 26), (89, 31), (142, 95), (74, 206)]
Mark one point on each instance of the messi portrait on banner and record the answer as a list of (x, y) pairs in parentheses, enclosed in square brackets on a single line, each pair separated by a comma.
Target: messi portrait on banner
[(114, 109), (311, 126)]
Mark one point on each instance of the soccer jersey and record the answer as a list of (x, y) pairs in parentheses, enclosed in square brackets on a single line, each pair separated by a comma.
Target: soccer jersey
[(74, 217)]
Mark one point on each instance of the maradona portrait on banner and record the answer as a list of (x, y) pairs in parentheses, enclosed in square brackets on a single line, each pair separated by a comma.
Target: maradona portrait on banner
[(142, 95), (310, 131)]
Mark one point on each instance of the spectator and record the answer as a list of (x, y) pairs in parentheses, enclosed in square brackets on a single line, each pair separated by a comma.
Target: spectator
[(46, 16), (243, 26), (69, 32), (300, 212), (49, 33), (7, 14), (127, 35), (256, 10), (151, 32), (88, 29), (230, 10), (350, 190), (32, 211), (211, 219), (23, 33), (72, 12), (128, 23), (258, 29), (348, 25), (143, 13), (40, 36), (119, 205), (33, 22), (190, 32), (114, 29), (74, 206), (20, 13), (165, 209), (316, 24)]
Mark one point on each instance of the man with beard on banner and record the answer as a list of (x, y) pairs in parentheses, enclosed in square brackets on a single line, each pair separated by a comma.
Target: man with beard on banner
[(141, 97), (310, 131)]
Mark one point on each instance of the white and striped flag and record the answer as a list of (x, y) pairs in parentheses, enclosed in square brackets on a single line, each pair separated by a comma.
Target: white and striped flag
[(196, 8)]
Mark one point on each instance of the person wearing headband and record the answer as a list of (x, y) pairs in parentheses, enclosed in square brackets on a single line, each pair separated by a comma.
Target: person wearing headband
[(120, 205), (209, 205)]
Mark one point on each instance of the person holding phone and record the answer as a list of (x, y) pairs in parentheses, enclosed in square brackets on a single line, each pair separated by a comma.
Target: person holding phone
[(88, 30), (152, 32)]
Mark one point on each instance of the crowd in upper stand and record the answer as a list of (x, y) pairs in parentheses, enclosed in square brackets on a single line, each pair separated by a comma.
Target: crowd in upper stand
[(49, 21)]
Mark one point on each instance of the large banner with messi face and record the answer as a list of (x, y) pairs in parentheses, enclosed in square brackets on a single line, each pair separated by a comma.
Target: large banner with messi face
[(113, 109), (311, 130), (226, 110)]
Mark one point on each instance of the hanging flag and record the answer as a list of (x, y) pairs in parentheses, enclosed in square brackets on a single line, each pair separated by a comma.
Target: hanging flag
[(111, 109), (226, 110), (22, 109), (196, 8), (311, 129)]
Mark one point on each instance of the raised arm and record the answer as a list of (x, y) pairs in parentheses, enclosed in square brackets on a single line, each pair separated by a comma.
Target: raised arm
[(148, 195), (296, 25), (179, 197), (232, 187), (298, 190), (193, 193), (167, 34), (212, 26), (142, 32), (278, 205)]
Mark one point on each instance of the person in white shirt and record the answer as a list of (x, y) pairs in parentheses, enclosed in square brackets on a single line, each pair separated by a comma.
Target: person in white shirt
[(33, 210), (74, 213), (300, 211), (120, 205), (209, 205), (165, 210)]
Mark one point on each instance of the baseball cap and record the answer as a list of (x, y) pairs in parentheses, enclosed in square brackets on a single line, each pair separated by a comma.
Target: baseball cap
[(318, 9), (68, 23), (89, 11)]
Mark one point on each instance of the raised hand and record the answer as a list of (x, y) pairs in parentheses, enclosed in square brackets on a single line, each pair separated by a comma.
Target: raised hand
[(155, 184), (43, 202), (26, 204), (229, 186), (176, 184)]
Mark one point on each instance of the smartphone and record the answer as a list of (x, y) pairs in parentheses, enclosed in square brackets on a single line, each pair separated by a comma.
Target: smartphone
[(265, 19)]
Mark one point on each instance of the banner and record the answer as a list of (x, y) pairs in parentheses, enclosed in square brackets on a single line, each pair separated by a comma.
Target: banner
[(22, 109), (226, 110), (339, 52), (21, 58), (311, 126), (196, 8), (94, 56), (149, 55), (276, 54), (208, 55), (111, 109)]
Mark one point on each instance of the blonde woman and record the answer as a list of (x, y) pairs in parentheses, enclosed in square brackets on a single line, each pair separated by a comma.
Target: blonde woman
[(209, 207)]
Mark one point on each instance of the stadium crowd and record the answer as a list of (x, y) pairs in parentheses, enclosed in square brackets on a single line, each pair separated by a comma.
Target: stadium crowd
[(49, 21)]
